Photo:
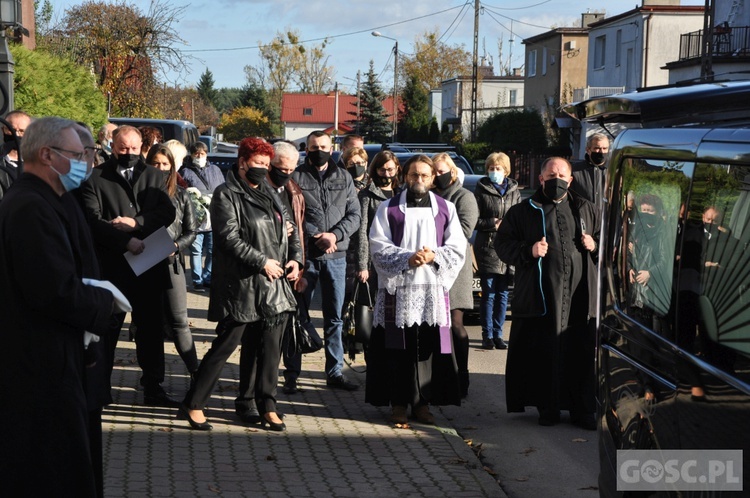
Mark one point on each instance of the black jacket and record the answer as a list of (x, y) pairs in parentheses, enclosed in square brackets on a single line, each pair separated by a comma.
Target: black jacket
[(588, 181), (245, 237), (521, 228), (370, 198), (492, 205), (331, 205), (8, 174), (107, 195), (182, 230)]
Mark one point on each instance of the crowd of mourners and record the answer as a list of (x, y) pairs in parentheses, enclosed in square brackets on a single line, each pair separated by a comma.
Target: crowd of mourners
[(261, 240)]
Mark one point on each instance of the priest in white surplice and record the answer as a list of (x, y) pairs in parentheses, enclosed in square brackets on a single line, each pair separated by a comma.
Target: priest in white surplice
[(417, 248)]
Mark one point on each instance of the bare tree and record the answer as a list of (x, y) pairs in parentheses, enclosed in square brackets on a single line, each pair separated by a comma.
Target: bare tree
[(124, 47)]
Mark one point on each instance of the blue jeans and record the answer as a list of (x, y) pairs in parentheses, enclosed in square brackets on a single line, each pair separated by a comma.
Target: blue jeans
[(332, 275), (494, 304), (203, 245)]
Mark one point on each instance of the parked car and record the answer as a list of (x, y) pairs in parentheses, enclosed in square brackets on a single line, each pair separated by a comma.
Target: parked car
[(177, 129), (674, 353)]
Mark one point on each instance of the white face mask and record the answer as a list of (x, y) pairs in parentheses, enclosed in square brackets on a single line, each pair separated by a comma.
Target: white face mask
[(200, 161)]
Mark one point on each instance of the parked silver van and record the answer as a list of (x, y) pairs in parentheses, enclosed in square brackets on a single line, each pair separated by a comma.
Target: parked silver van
[(674, 317)]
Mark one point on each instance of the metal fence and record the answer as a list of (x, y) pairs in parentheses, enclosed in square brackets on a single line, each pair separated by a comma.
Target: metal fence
[(726, 41), (525, 168)]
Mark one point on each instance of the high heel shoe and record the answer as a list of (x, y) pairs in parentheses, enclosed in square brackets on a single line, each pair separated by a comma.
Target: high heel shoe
[(273, 426), (198, 426)]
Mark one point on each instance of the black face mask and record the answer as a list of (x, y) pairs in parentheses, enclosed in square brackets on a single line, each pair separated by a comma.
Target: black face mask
[(555, 189), (443, 181), (278, 177), (319, 158), (356, 171), (10, 140), (383, 181), (649, 219), (255, 175), (597, 158), (128, 160)]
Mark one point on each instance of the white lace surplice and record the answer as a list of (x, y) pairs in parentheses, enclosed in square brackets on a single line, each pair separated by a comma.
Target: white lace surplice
[(420, 292)]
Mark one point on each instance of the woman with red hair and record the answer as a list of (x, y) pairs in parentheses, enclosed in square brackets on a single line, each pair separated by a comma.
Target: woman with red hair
[(251, 297)]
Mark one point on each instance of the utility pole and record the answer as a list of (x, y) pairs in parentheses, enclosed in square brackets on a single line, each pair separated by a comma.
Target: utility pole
[(336, 109), (358, 102), (474, 74), (395, 91), (707, 46)]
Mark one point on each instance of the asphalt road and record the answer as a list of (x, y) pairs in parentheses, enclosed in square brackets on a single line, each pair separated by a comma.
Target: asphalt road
[(527, 459)]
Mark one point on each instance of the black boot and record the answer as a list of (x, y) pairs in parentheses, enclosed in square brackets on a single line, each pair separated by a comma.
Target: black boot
[(463, 383)]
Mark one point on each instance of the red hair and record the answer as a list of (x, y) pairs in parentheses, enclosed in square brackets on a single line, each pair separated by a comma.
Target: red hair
[(251, 146)]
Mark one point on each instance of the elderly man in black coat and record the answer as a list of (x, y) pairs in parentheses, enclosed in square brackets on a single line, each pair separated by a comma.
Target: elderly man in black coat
[(125, 201), (550, 240), (45, 252)]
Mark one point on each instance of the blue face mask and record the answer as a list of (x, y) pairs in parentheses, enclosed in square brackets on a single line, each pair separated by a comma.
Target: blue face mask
[(79, 171), (496, 176)]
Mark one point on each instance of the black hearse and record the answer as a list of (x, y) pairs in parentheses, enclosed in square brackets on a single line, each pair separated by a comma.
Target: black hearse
[(674, 320)]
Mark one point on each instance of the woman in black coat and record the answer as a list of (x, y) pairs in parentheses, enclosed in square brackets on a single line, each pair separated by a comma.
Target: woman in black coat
[(250, 297), (448, 186), (182, 230), (495, 194)]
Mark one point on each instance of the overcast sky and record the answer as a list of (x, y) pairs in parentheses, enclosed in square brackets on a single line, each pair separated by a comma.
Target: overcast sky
[(223, 35)]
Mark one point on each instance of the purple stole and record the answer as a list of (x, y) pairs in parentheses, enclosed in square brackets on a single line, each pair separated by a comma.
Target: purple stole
[(394, 335)]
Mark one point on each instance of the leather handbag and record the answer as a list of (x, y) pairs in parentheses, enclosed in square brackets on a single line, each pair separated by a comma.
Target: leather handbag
[(363, 310), (304, 338)]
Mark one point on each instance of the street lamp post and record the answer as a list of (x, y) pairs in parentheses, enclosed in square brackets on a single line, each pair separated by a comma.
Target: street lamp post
[(8, 18), (395, 82)]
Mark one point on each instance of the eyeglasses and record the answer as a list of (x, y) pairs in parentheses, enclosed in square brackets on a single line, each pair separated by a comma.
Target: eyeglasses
[(417, 176), (80, 156), (390, 171)]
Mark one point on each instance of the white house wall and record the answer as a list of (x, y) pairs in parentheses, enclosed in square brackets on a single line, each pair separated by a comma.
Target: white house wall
[(492, 96), (664, 32), (298, 132), (723, 8)]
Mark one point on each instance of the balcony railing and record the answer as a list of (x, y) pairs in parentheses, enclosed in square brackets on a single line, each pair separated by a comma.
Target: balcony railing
[(581, 94), (726, 42)]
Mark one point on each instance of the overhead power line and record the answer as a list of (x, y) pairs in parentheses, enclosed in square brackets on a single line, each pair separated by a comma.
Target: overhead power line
[(368, 30)]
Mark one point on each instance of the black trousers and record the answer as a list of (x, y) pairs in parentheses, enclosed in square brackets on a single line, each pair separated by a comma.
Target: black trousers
[(148, 309), (259, 364), (176, 316)]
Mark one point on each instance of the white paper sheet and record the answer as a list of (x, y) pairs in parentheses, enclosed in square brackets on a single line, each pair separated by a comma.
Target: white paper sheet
[(159, 245)]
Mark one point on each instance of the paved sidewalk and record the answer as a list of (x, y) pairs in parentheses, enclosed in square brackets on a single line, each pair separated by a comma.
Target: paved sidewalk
[(335, 445)]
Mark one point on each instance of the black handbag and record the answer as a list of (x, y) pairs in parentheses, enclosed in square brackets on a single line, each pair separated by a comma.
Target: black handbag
[(362, 312), (304, 338)]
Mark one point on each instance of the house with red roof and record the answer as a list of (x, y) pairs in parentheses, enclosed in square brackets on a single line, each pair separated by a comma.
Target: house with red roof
[(303, 113)]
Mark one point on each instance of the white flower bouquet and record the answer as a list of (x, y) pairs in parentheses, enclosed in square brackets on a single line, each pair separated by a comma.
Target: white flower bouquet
[(201, 203)]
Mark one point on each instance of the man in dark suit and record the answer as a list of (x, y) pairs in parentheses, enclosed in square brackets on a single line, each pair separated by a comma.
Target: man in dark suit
[(125, 201), (45, 253), (19, 121), (589, 175)]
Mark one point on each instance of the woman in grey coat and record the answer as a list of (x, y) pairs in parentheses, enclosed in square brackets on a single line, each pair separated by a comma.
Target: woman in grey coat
[(461, 297), (495, 195)]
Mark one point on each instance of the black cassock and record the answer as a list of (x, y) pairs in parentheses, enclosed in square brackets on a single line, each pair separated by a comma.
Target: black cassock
[(45, 309), (551, 351)]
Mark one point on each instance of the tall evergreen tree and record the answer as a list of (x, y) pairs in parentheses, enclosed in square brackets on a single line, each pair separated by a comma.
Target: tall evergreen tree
[(373, 121), (206, 88), (414, 120)]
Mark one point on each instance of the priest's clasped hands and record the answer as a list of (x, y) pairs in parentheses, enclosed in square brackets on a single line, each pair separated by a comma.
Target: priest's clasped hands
[(424, 256)]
